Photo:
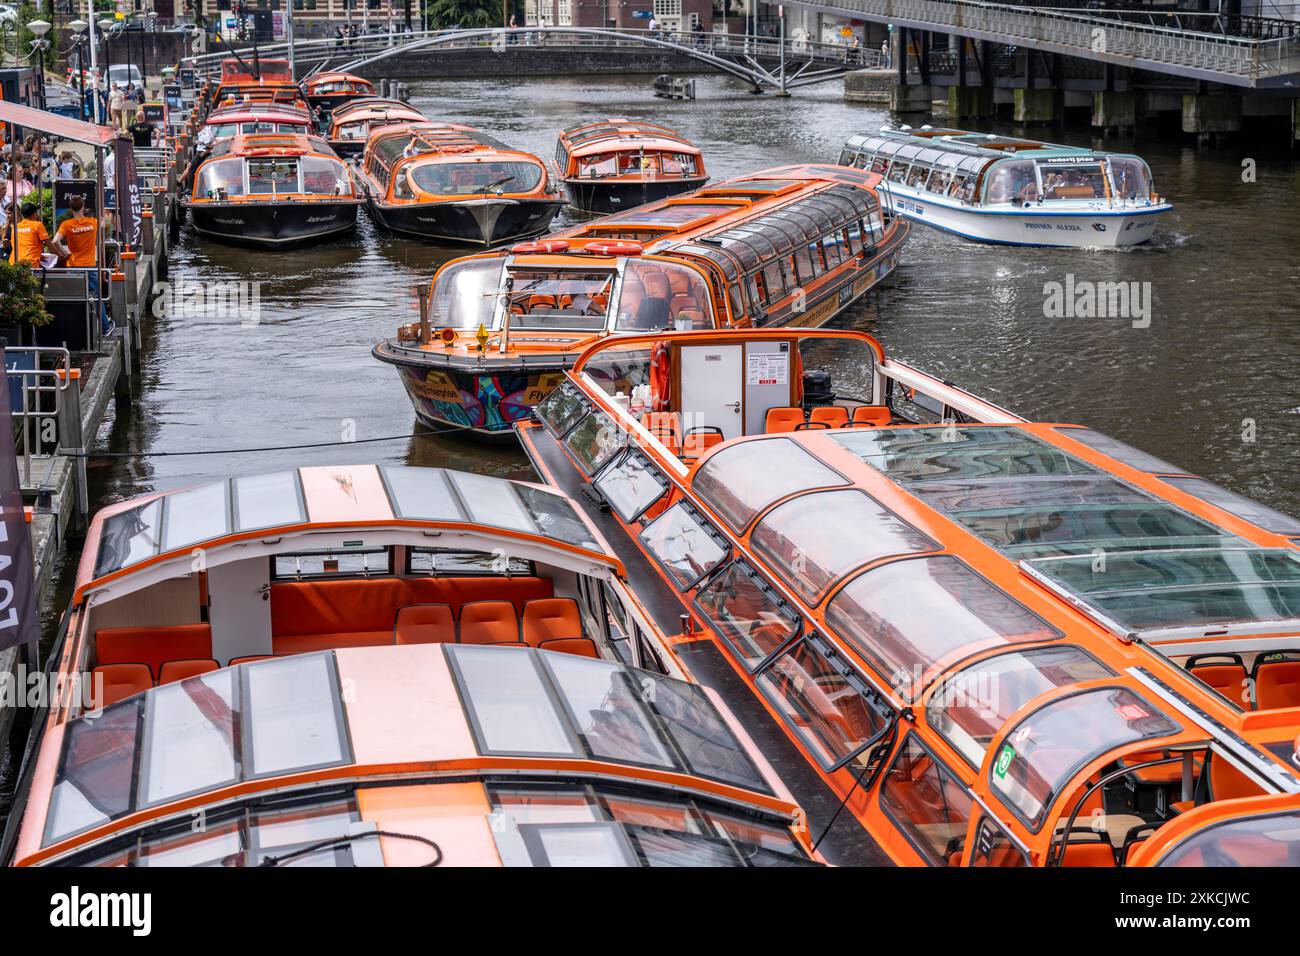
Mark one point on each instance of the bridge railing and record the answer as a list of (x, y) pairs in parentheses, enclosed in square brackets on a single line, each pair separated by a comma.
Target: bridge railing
[(1099, 36), (730, 46)]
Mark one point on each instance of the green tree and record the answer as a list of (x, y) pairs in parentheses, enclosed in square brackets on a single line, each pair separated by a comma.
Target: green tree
[(464, 13)]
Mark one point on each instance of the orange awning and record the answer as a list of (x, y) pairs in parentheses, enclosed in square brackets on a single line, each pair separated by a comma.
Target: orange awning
[(64, 127)]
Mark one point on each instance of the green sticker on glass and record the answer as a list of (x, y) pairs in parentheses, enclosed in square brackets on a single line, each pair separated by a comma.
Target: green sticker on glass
[(1004, 761)]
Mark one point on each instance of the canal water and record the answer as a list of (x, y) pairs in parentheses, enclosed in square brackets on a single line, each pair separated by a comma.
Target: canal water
[(1209, 383)]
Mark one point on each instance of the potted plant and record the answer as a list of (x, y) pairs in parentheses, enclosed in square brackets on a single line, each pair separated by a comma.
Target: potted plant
[(22, 307)]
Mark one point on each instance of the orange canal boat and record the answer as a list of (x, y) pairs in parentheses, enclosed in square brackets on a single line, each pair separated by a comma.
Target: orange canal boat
[(1000, 642), (789, 246), (615, 164), (379, 666), (351, 124), (273, 190), (453, 183), (330, 90)]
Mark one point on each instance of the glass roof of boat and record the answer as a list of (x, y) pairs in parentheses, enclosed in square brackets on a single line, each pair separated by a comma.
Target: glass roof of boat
[(1138, 560), (189, 517)]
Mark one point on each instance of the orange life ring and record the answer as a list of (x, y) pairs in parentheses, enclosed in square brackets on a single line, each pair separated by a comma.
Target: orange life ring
[(614, 247), (545, 246)]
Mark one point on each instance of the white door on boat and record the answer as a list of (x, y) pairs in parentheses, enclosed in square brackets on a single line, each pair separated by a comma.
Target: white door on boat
[(712, 388)]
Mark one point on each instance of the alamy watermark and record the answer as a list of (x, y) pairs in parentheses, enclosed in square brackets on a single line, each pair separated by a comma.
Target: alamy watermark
[(1083, 299), (202, 299)]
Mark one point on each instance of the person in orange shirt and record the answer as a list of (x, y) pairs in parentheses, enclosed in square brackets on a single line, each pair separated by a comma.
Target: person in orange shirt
[(30, 238), (76, 237)]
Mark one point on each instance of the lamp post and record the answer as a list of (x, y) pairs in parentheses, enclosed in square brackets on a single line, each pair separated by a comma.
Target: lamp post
[(79, 28), (39, 28)]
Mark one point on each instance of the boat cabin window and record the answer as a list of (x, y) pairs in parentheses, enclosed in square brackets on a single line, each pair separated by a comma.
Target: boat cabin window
[(914, 616), (129, 537), (324, 177), (262, 501), (1130, 177), (560, 410), (1251, 841), (1257, 514), (558, 299), (631, 485), (677, 164), (1121, 451), (812, 540), (593, 440), (740, 481), (520, 507), (244, 837), (970, 707), (272, 175), (662, 295), (927, 803), (268, 717), (1182, 588), (446, 562), (748, 614), (535, 704), (598, 165), (1073, 180), (588, 826), (465, 294), (1040, 756), (464, 179), (222, 177), (685, 544), (826, 703), (332, 564)]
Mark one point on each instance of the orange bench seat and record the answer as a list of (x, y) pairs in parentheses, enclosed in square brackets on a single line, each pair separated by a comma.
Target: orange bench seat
[(153, 646)]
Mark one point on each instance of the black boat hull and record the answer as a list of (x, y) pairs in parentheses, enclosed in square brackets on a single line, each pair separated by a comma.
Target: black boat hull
[(595, 196), (273, 224), (478, 222)]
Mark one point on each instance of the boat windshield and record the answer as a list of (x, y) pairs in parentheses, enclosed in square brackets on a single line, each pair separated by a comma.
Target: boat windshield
[(273, 174), (1251, 841), (971, 707), (559, 299), (324, 177), (465, 294), (662, 295), (1073, 179), (1130, 177), (467, 179), (223, 176), (1046, 749)]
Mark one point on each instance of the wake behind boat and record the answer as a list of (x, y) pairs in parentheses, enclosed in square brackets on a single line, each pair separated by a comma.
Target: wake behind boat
[(1010, 191)]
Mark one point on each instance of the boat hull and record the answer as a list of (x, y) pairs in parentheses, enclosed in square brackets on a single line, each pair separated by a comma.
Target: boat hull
[(479, 222), (1079, 228), (273, 224), (472, 398), (596, 196)]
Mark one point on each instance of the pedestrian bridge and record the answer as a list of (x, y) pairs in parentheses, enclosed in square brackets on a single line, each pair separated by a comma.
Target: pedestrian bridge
[(1238, 51), (768, 63)]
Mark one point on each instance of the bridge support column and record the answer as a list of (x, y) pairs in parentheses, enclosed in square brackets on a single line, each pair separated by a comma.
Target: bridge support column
[(974, 102), (911, 98), (1114, 111), (1211, 114), (1037, 106)]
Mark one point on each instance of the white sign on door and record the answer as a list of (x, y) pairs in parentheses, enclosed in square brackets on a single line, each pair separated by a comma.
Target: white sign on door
[(768, 368)]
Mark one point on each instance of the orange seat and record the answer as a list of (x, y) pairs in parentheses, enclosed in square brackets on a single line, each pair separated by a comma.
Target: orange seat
[(250, 659), (582, 646), (699, 440), (871, 415), (488, 622), (551, 619), (1277, 684), (119, 681), (783, 419), (180, 670), (425, 624), (1227, 675), (1227, 782), (153, 646), (832, 416), (665, 426), (1088, 854)]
